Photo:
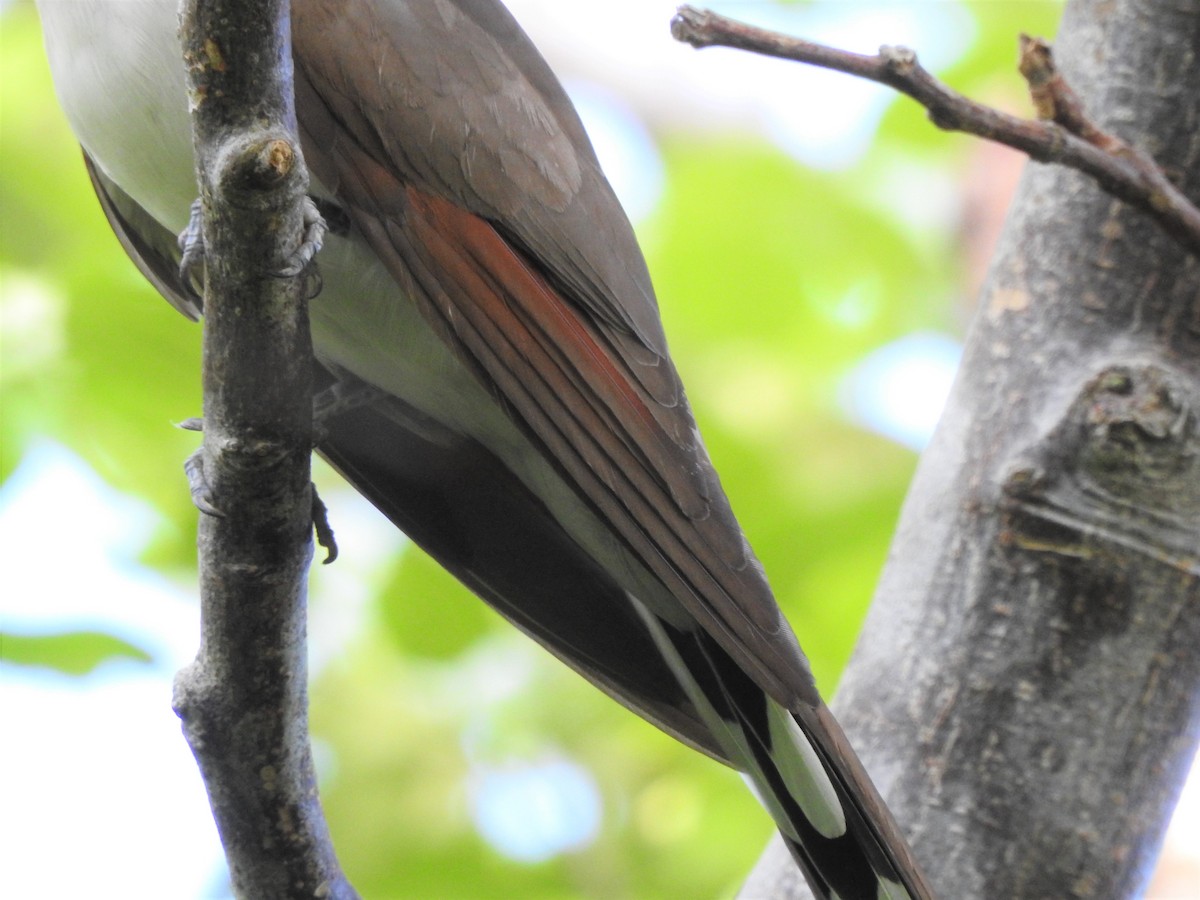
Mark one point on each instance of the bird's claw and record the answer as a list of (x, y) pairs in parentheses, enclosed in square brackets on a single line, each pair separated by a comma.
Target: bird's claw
[(311, 242), (324, 532), (201, 492), (346, 394), (301, 262), (198, 485), (191, 242)]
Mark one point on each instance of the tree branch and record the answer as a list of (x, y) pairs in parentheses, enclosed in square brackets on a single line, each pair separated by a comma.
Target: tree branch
[(1068, 137), (243, 701), (1026, 688)]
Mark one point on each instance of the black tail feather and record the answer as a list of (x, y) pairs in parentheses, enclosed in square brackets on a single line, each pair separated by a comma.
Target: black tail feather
[(833, 822)]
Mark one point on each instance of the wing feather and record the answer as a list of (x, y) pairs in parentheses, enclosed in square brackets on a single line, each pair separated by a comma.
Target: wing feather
[(575, 397), (571, 345), (491, 129)]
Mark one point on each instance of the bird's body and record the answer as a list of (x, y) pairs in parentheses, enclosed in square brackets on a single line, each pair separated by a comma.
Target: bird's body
[(533, 435), (122, 87)]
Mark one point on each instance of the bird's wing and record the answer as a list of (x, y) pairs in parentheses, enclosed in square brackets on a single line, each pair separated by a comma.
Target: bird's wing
[(510, 240), (459, 503), (469, 177), (456, 501), (490, 129)]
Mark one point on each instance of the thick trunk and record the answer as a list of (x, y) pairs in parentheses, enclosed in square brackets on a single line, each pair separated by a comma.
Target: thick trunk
[(1026, 690)]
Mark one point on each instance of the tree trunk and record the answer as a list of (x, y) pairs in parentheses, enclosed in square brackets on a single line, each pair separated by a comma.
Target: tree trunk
[(1025, 690)]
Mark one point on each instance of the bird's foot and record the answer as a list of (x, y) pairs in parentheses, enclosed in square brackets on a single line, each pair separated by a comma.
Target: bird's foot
[(347, 393), (320, 218), (191, 242), (198, 484), (322, 528), (202, 497), (303, 260)]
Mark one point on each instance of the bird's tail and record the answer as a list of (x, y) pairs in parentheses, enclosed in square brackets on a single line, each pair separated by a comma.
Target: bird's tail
[(832, 819)]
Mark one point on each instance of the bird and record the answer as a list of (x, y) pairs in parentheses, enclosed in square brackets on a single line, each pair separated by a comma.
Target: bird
[(525, 425)]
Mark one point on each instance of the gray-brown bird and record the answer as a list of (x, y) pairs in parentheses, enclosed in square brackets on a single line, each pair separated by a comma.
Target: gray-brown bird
[(531, 432)]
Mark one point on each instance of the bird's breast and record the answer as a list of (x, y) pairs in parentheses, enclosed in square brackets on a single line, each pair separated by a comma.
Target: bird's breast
[(118, 72), (120, 78)]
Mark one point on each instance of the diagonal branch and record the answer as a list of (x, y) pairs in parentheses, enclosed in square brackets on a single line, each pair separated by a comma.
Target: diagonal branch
[(1065, 135)]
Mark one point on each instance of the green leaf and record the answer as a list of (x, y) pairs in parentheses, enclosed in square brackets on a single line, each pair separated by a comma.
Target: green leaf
[(427, 613), (71, 652)]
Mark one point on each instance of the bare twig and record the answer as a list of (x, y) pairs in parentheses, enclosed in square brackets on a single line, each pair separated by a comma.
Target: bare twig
[(243, 701), (1066, 136)]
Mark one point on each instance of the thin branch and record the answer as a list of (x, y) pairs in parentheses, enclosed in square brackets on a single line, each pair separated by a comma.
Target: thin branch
[(1067, 136), (243, 701)]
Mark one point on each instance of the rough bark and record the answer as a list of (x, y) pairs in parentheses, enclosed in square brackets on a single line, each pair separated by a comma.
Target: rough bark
[(1026, 690), (243, 701)]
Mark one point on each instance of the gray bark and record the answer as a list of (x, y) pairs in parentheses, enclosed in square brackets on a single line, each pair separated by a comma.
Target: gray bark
[(243, 701), (1026, 690)]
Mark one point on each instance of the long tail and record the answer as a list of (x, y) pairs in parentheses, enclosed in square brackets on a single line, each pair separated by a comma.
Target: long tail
[(832, 819)]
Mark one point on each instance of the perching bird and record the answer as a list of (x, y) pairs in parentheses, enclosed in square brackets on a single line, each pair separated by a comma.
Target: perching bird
[(531, 432)]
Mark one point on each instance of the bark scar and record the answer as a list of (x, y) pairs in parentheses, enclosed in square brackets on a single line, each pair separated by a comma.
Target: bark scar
[(1119, 473)]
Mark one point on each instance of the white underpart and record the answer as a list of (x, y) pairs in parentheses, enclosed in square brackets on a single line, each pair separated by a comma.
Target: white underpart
[(804, 775), (119, 73)]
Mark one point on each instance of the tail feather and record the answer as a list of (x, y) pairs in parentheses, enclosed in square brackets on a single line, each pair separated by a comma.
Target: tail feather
[(833, 822)]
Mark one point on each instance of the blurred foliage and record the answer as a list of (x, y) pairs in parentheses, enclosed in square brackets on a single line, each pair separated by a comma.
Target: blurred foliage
[(90, 355), (774, 280), (72, 653)]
